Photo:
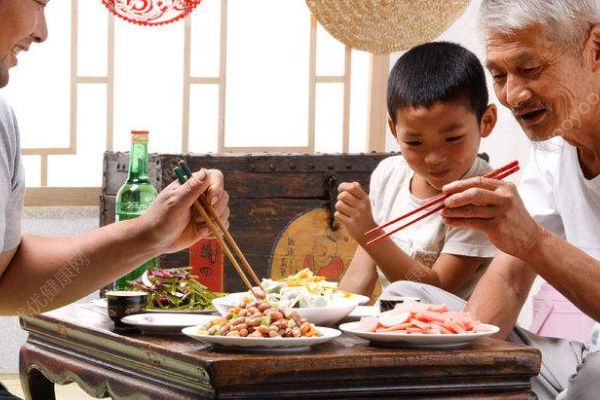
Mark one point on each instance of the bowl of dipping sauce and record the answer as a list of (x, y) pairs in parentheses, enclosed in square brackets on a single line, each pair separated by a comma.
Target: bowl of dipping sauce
[(125, 302), (387, 303)]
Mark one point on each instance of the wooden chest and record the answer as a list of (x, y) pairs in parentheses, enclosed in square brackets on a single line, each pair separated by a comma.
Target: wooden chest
[(281, 210)]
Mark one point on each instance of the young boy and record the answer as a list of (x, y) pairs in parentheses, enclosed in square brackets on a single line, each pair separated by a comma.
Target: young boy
[(438, 112)]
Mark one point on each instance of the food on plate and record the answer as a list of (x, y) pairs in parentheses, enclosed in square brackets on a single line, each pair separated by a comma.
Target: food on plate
[(174, 289), (259, 318), (314, 284), (305, 290), (411, 317)]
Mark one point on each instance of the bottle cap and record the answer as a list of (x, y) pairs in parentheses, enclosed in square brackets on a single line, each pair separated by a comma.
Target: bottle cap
[(139, 137)]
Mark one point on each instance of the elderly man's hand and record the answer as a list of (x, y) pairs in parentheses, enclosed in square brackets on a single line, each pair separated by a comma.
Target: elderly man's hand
[(495, 208), (172, 224)]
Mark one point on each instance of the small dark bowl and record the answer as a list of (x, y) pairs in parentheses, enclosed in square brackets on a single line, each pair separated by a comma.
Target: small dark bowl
[(389, 302), (123, 303)]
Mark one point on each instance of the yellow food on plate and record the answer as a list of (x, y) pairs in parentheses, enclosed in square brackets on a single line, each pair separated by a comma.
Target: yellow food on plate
[(314, 284)]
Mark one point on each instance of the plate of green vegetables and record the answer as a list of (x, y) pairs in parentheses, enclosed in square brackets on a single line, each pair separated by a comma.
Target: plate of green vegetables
[(175, 290)]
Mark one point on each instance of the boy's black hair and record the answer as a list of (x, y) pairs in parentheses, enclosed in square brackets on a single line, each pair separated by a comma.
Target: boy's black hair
[(437, 72)]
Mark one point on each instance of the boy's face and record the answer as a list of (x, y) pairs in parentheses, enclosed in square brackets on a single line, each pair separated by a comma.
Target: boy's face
[(440, 143), (21, 23)]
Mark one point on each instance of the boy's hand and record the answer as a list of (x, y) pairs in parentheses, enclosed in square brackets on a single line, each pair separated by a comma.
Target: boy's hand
[(353, 210)]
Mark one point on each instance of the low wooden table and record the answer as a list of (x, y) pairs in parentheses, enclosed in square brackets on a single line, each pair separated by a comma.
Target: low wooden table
[(77, 343)]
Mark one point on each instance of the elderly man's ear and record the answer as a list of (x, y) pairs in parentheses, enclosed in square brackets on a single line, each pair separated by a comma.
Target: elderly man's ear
[(594, 45)]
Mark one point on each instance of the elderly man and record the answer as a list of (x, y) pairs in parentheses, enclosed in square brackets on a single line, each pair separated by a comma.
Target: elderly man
[(27, 261), (544, 57)]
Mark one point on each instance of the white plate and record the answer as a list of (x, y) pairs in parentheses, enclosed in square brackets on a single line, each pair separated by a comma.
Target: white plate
[(223, 304), (326, 315), (103, 303), (362, 299), (316, 315), (165, 324), (419, 339), (192, 312), (364, 311), (258, 344)]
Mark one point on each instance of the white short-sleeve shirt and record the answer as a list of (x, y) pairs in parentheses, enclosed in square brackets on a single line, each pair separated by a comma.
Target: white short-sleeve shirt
[(425, 240), (560, 198)]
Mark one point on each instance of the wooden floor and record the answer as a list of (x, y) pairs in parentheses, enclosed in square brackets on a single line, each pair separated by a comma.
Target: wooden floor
[(66, 392)]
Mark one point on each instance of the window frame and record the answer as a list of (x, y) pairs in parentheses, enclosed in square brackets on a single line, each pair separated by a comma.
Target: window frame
[(87, 196)]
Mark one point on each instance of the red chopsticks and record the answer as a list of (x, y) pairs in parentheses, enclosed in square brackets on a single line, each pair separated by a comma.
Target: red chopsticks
[(499, 174)]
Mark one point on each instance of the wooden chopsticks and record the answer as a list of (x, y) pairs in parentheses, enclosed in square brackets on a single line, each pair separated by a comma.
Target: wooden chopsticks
[(499, 173), (215, 225)]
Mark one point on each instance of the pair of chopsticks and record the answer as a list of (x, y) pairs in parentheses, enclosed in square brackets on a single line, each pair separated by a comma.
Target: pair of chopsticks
[(215, 225), (499, 174)]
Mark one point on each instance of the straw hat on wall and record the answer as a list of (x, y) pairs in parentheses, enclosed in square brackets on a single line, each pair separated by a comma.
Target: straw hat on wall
[(385, 26)]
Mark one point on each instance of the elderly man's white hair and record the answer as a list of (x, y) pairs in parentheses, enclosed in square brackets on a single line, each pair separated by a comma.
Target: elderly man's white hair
[(566, 21)]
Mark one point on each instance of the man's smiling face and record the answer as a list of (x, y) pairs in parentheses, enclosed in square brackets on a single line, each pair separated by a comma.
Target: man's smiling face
[(22, 22), (540, 81)]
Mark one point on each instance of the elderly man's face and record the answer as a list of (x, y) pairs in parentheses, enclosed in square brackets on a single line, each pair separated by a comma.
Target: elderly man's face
[(21, 23), (545, 86)]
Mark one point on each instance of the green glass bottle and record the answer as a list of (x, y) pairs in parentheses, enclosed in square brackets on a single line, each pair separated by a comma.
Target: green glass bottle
[(136, 196)]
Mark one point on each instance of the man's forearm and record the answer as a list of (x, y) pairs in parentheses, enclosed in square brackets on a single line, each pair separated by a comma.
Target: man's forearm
[(501, 293), (46, 273), (569, 270)]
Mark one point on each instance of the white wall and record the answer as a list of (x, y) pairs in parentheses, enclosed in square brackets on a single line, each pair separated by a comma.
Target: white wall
[(46, 221), (507, 142)]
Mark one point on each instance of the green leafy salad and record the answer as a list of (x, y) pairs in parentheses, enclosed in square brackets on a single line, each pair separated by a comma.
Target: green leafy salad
[(174, 289)]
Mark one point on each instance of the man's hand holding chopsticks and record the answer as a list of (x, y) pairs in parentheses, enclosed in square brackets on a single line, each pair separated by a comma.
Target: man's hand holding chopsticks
[(172, 222), (495, 208), (353, 210)]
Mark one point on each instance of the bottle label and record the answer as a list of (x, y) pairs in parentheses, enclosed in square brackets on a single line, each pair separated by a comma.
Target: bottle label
[(139, 137)]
